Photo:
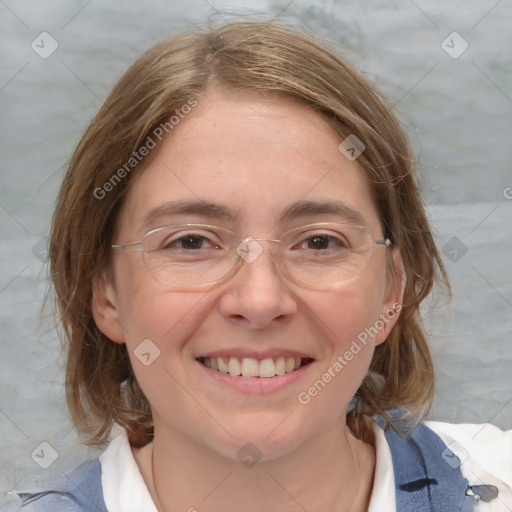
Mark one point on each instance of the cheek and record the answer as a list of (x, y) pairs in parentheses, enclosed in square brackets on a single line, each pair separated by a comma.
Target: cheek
[(150, 311), (349, 311), (160, 325), (168, 318), (348, 318)]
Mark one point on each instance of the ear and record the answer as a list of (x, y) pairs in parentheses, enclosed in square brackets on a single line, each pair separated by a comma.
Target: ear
[(105, 308), (392, 303)]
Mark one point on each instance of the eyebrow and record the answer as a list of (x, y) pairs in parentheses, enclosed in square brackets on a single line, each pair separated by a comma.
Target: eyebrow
[(293, 211), (193, 207), (312, 208)]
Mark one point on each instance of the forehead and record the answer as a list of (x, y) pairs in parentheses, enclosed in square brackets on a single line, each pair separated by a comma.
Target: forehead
[(253, 155)]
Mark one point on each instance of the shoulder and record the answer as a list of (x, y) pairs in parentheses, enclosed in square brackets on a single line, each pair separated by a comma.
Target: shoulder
[(78, 491), (473, 462), (484, 443), (445, 466), (482, 451)]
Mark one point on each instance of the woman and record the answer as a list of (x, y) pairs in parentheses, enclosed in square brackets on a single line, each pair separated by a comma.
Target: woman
[(239, 252)]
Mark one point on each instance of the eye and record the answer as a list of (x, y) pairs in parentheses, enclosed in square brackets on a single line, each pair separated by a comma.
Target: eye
[(322, 241), (319, 242), (190, 241)]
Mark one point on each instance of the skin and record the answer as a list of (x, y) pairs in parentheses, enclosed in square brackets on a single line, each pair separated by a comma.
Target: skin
[(255, 155)]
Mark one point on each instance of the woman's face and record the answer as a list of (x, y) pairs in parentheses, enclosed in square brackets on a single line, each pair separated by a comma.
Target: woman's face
[(259, 166)]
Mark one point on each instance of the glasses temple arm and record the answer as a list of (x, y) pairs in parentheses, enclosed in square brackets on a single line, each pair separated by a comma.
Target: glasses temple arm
[(136, 247)]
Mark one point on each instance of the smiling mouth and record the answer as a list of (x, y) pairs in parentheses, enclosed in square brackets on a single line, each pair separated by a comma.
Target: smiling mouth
[(249, 367)]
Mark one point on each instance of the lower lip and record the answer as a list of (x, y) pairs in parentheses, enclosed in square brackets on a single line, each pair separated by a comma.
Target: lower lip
[(256, 385)]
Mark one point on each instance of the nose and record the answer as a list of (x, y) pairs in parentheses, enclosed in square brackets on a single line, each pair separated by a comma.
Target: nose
[(257, 296)]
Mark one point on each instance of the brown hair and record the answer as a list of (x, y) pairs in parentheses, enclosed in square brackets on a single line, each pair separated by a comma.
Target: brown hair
[(101, 387)]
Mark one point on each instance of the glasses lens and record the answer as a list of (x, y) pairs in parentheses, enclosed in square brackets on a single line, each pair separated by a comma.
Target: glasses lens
[(320, 256), (189, 255)]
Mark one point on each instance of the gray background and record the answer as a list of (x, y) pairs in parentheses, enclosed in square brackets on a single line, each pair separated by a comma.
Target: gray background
[(458, 112)]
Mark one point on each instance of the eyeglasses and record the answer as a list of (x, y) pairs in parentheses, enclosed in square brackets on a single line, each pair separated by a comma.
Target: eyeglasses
[(318, 256)]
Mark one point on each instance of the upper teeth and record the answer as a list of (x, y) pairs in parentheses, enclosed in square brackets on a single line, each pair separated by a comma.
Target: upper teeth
[(250, 367)]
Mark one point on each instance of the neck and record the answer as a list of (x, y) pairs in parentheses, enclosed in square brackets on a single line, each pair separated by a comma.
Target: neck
[(330, 473)]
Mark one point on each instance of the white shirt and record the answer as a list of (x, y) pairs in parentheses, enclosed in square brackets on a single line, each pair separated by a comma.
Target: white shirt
[(484, 450)]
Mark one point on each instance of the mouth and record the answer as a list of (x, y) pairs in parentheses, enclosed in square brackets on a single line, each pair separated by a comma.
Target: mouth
[(251, 367)]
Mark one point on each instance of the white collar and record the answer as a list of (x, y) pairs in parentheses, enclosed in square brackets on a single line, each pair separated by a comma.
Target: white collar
[(124, 489)]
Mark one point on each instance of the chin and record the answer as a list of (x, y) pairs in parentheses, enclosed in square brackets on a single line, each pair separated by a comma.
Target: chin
[(261, 436)]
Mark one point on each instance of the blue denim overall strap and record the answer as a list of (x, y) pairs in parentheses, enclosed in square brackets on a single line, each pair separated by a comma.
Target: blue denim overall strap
[(427, 475), (80, 491)]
